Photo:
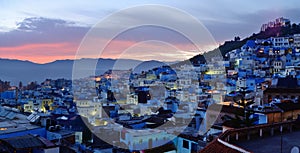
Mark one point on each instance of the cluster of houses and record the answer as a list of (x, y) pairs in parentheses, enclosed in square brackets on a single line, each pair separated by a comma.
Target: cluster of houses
[(40, 118), (279, 22), (260, 64)]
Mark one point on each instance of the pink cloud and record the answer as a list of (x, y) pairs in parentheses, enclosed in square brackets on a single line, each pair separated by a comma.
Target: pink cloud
[(132, 49)]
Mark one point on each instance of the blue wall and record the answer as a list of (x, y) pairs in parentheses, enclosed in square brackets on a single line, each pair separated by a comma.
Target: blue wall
[(8, 94), (39, 131)]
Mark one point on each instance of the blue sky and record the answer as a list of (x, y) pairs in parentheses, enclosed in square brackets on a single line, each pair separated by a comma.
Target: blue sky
[(224, 19)]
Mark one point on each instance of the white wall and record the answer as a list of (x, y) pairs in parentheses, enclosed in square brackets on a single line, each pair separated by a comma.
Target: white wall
[(51, 150)]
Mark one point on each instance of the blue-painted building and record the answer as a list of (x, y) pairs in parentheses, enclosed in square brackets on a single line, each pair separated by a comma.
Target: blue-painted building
[(249, 44), (41, 131), (11, 94), (288, 60)]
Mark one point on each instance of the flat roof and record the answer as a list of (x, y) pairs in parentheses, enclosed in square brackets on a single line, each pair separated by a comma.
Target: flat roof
[(22, 127), (28, 141), (64, 132), (272, 143), (144, 132)]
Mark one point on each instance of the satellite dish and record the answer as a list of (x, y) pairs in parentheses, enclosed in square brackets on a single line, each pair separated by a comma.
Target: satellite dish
[(295, 149)]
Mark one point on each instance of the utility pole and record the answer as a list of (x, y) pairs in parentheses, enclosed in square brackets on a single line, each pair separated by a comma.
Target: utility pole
[(281, 140), (280, 143)]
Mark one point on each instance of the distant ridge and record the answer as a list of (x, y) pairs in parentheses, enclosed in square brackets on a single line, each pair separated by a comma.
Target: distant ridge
[(17, 70)]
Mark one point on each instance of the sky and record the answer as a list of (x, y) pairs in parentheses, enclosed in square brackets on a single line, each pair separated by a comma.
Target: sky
[(44, 31)]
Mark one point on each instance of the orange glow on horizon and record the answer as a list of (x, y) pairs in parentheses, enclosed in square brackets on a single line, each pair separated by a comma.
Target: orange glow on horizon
[(48, 52), (40, 53)]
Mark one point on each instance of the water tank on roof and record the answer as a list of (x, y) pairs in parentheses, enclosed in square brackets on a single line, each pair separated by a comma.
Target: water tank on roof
[(57, 127), (51, 128)]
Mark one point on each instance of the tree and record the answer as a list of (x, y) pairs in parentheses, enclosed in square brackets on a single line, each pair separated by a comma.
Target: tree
[(241, 120), (237, 38), (294, 25)]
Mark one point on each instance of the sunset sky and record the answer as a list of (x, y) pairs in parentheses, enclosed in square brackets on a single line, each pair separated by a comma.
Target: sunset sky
[(44, 31)]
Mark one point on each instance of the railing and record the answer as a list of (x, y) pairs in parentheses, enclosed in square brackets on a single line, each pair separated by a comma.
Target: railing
[(256, 131), (229, 136)]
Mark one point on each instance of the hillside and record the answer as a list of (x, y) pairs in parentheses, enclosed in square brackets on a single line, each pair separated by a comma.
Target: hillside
[(231, 45)]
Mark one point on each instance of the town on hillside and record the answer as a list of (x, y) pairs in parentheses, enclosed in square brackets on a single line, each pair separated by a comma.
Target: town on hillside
[(246, 99)]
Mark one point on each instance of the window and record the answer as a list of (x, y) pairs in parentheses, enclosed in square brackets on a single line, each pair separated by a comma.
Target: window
[(185, 144), (123, 135)]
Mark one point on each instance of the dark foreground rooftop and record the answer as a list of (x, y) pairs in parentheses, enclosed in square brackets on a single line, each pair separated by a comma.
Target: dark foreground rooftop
[(266, 138), (273, 143)]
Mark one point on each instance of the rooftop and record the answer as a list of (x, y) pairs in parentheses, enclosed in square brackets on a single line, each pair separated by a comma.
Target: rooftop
[(143, 132), (13, 121), (64, 132), (287, 82), (20, 127), (216, 146), (272, 144), (259, 139), (27, 141), (226, 108), (288, 106), (281, 90)]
